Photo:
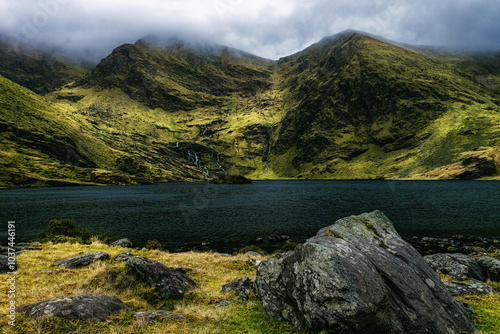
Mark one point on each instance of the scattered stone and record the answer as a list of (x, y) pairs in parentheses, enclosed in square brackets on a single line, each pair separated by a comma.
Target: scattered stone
[(459, 267), (82, 260), (241, 287), (490, 267), (148, 316), (123, 256), (224, 302), (125, 243), (170, 283), (5, 266), (95, 307), (470, 288), (359, 276)]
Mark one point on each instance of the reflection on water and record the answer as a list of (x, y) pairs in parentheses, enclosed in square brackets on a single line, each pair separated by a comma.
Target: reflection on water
[(226, 216)]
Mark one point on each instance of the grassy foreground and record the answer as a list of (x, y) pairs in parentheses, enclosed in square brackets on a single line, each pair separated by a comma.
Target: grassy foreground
[(210, 272)]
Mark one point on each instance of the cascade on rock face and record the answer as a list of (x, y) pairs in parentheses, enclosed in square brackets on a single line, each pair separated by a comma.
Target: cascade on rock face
[(217, 159)]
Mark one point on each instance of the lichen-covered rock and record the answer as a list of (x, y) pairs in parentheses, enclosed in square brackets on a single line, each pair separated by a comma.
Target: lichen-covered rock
[(470, 288), (6, 266), (459, 267), (148, 316), (95, 307), (359, 276), (490, 267), (126, 243), (241, 287), (169, 282), (82, 260)]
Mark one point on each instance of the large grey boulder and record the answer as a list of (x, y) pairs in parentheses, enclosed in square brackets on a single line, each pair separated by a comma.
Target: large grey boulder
[(6, 266), (95, 307), (459, 267), (82, 260), (490, 267), (169, 282), (359, 276)]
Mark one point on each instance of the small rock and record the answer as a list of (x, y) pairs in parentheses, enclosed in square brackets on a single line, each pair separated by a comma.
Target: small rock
[(123, 256), (471, 288), (82, 260), (224, 302), (148, 316), (95, 307), (126, 243), (169, 282)]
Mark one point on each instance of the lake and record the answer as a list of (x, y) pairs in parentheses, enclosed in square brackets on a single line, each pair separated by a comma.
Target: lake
[(224, 217)]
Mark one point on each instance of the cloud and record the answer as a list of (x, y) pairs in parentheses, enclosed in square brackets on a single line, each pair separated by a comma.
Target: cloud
[(267, 28)]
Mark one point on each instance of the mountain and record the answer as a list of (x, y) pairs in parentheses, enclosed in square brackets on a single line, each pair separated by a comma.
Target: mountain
[(351, 106), (175, 75), (360, 107)]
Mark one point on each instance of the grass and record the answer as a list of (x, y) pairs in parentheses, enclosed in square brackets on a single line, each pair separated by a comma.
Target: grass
[(210, 272)]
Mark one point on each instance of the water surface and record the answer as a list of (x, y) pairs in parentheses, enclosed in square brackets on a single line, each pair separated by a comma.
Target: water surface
[(223, 217)]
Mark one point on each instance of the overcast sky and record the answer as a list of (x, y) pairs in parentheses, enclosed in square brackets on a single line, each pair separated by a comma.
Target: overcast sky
[(268, 28)]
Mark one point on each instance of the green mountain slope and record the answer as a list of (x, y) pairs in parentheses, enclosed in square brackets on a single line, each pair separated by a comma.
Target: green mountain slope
[(349, 107), (359, 107), (41, 144)]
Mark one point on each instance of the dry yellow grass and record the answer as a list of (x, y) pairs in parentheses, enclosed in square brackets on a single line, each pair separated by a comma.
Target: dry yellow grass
[(209, 270)]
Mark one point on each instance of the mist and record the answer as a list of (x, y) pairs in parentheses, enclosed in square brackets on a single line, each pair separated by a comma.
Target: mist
[(271, 29)]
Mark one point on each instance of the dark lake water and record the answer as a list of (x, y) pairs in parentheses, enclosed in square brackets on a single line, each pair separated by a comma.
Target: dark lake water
[(222, 217)]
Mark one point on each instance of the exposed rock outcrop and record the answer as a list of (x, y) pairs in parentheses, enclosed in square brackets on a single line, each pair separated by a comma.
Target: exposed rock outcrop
[(470, 288), (490, 267), (95, 307), (459, 267), (169, 282), (359, 276), (82, 260)]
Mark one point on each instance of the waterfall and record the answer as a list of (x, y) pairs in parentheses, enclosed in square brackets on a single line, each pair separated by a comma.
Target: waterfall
[(217, 161), (269, 149), (203, 134), (177, 145), (193, 157)]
